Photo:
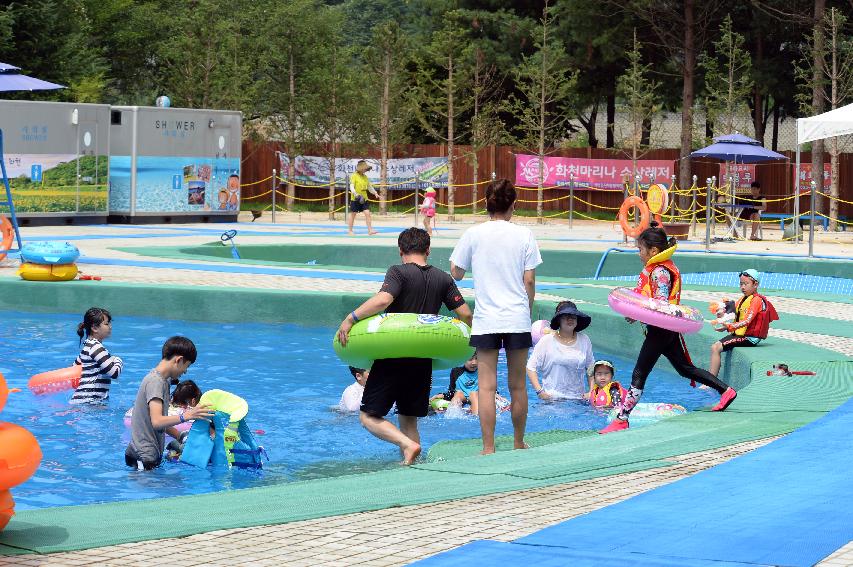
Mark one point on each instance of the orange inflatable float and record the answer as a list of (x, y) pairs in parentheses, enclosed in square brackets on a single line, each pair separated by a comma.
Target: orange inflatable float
[(644, 214), (56, 380), (20, 456), (7, 236), (7, 506)]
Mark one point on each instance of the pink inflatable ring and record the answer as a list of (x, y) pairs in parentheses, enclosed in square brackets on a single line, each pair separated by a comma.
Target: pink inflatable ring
[(678, 318)]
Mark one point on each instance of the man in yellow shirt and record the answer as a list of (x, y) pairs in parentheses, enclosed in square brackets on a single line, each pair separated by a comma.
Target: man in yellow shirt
[(359, 185)]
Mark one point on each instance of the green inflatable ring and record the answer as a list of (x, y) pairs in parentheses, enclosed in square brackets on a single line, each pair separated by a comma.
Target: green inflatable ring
[(226, 402), (407, 335)]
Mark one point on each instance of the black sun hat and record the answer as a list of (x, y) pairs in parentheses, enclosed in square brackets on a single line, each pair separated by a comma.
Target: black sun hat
[(569, 308)]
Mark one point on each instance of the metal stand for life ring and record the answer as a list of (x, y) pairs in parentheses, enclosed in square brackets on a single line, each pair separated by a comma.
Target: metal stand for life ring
[(228, 236), (8, 202)]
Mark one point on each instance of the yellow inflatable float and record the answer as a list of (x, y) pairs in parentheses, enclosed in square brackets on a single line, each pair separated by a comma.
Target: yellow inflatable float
[(47, 273)]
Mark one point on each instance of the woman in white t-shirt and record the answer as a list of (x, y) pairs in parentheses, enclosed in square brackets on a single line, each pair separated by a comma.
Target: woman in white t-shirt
[(560, 360), (503, 257)]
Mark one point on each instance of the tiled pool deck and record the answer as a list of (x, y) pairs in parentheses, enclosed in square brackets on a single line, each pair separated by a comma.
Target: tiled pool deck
[(400, 535)]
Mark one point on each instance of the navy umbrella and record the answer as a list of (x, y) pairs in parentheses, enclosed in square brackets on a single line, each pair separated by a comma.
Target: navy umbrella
[(737, 148), (11, 79)]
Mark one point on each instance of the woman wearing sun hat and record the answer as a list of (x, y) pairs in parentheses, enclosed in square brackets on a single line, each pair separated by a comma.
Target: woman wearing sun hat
[(557, 368)]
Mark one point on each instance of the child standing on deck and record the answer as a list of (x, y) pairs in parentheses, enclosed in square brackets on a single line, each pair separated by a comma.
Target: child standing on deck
[(428, 210), (660, 279), (99, 367), (753, 315)]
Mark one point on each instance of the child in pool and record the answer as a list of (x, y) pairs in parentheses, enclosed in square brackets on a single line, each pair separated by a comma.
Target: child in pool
[(151, 420), (186, 395), (428, 210), (464, 388), (351, 398), (604, 392), (753, 315), (99, 367), (660, 279)]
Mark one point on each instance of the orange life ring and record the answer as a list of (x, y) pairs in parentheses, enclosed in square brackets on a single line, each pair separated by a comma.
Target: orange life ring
[(7, 236), (645, 216)]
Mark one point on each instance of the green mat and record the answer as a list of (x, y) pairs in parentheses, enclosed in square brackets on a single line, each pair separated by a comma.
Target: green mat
[(447, 450)]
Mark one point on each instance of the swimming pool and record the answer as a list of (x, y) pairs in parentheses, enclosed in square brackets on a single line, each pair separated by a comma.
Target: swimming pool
[(288, 374)]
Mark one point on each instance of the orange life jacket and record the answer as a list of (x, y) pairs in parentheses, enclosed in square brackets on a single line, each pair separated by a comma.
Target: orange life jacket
[(760, 324), (602, 398), (648, 287)]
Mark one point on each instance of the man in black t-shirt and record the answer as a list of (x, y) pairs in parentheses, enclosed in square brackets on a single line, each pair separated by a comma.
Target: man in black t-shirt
[(410, 287)]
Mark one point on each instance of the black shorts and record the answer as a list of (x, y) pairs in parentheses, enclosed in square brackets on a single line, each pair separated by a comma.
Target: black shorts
[(507, 341), (131, 460), (731, 341), (404, 381), (747, 213), (356, 207)]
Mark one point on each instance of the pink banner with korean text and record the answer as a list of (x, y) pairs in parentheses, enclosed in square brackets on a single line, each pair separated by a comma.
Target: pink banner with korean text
[(589, 173), (806, 177), (743, 174)]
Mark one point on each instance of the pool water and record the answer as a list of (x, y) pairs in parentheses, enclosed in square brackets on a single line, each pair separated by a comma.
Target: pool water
[(289, 375)]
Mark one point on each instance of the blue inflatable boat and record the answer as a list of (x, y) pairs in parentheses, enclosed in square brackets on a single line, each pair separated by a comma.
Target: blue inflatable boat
[(49, 252)]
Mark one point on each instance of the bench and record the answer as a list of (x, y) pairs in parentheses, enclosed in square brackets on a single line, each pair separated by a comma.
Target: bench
[(823, 219)]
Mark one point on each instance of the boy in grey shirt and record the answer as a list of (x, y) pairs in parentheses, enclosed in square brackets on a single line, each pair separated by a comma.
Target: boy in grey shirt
[(151, 419)]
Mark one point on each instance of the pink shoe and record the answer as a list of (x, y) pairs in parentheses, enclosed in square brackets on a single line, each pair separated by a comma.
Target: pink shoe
[(615, 425), (725, 400)]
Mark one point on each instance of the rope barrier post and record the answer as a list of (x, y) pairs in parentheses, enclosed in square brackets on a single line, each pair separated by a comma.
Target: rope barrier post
[(625, 184), (796, 224), (346, 201), (811, 220), (417, 195), (693, 204), (571, 199), (711, 198), (274, 191), (709, 191)]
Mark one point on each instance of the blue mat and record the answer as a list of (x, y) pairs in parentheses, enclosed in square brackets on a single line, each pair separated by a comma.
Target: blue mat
[(510, 554), (783, 504)]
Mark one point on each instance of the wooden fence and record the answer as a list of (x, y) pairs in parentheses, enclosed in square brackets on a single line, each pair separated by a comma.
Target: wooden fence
[(777, 178)]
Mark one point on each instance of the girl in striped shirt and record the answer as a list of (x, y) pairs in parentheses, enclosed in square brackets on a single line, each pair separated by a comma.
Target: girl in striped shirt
[(99, 367)]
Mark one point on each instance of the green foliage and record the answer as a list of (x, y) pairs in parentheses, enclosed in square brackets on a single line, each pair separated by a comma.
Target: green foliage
[(837, 45), (387, 58), (440, 81), (728, 77), (543, 84), (340, 55), (639, 95)]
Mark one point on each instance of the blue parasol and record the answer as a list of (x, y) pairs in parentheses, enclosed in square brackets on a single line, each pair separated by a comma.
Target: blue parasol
[(737, 148), (11, 79)]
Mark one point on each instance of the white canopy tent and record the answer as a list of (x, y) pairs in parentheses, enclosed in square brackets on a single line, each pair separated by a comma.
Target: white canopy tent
[(838, 122)]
